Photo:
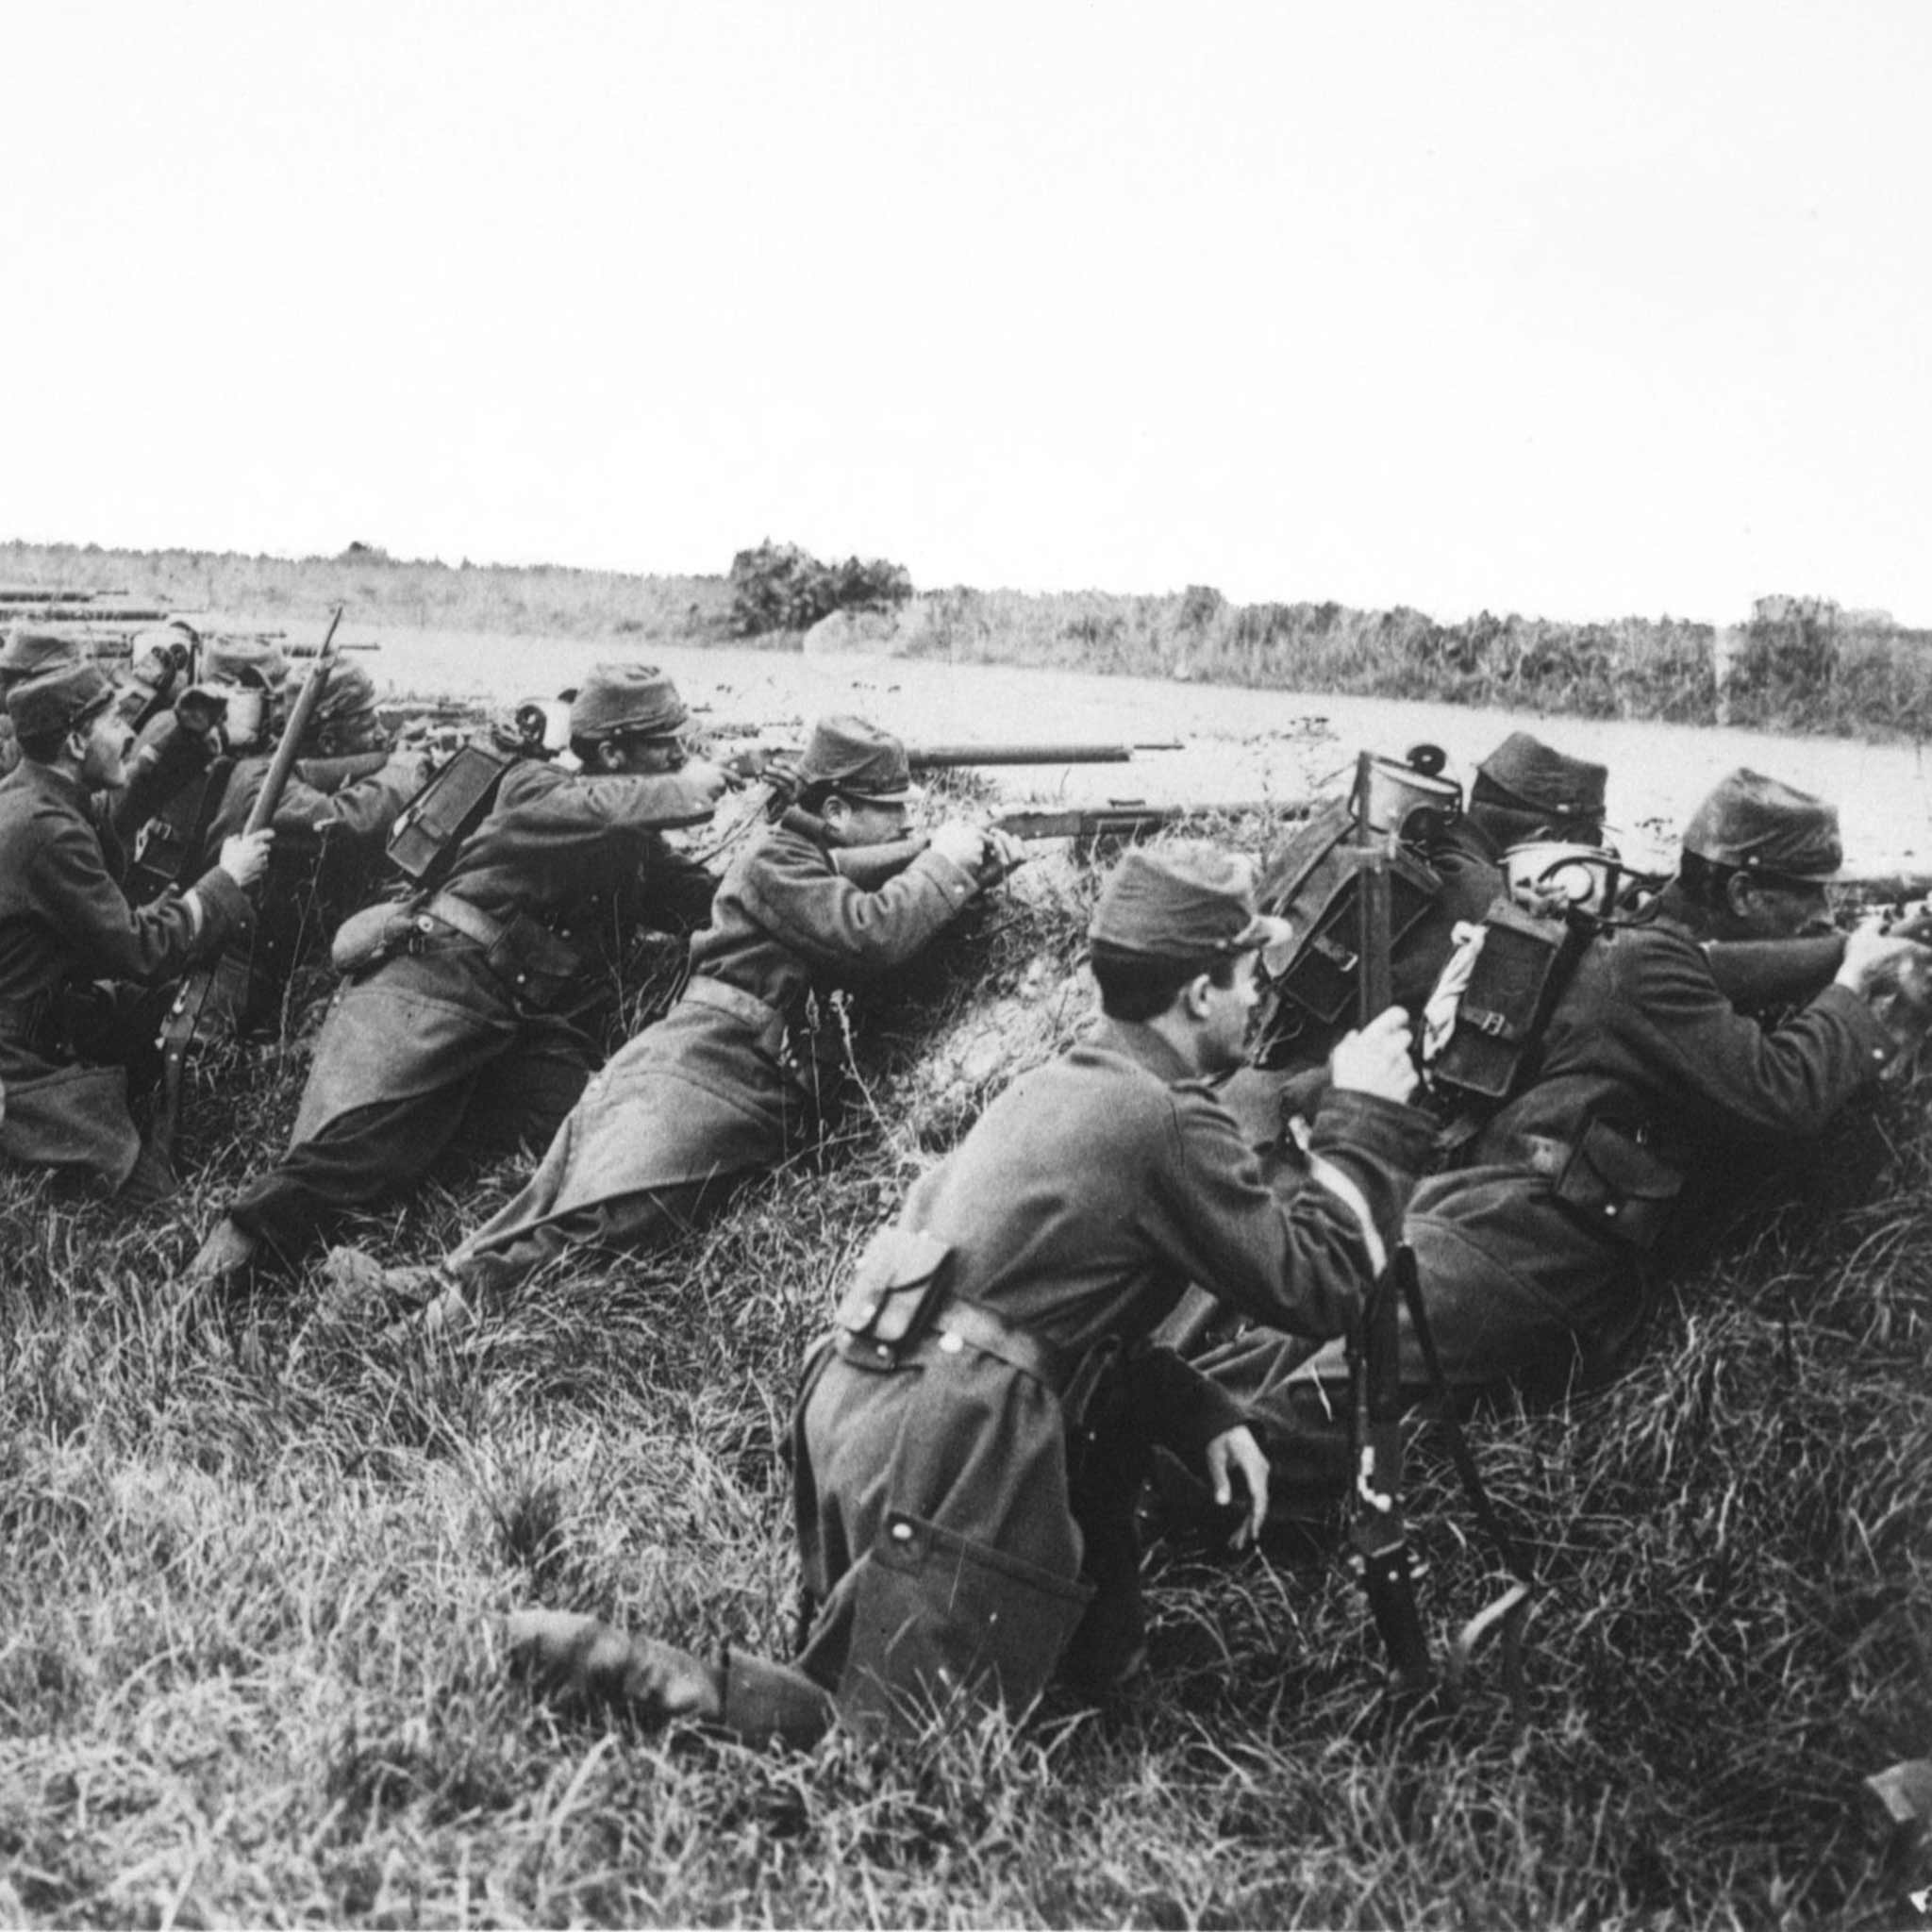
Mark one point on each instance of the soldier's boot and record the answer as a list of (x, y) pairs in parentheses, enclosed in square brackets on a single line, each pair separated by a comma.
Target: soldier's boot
[(358, 1284), (150, 1181), (583, 1661), (225, 1258)]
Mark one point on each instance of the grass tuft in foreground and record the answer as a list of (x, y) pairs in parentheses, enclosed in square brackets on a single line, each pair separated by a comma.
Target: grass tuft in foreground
[(248, 1674)]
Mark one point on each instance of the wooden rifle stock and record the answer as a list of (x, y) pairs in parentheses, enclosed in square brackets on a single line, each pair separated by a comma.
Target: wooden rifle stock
[(216, 992), (1134, 820)]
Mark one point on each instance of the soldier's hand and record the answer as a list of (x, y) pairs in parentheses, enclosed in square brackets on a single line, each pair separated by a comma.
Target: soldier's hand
[(244, 856), (965, 844), (1873, 961), (1235, 1451), (1914, 921), (1376, 1059), (1003, 854), (706, 781)]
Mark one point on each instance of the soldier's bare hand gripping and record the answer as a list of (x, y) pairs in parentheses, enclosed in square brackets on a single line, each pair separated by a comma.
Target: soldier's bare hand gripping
[(707, 781), (1235, 1450), (244, 856), (1875, 960), (965, 844), (1376, 1059)]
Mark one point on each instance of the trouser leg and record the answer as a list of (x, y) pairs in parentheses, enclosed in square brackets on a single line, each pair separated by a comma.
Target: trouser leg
[(360, 1159), (526, 1234), (520, 1101)]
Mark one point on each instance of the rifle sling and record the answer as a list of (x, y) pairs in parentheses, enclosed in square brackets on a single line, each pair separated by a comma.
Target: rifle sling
[(1507, 1547)]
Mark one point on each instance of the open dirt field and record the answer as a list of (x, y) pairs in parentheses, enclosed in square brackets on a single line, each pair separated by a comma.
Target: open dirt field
[(1241, 744)]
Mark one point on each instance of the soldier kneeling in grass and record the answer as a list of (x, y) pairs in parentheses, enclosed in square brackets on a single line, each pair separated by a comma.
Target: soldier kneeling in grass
[(971, 1436), (73, 955)]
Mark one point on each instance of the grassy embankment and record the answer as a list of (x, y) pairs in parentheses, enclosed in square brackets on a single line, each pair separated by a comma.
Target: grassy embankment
[(246, 1672), (1809, 669), (247, 1675)]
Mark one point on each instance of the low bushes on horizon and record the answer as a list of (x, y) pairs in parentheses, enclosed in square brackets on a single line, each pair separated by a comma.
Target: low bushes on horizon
[(1794, 664)]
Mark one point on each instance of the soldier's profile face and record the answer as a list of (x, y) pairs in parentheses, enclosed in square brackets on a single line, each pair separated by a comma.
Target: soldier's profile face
[(104, 754), (649, 758), (1779, 908), (874, 821), (1224, 1038)]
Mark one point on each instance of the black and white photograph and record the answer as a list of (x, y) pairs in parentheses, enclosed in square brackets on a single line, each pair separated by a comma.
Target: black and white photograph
[(966, 966)]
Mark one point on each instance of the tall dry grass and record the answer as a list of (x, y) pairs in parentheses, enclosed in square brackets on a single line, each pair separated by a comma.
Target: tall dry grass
[(247, 1671)]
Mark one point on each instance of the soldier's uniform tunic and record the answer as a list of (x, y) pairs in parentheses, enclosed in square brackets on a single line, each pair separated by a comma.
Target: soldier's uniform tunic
[(723, 1086), (946, 1543), (1523, 1288), (427, 1041), (331, 827), (64, 923)]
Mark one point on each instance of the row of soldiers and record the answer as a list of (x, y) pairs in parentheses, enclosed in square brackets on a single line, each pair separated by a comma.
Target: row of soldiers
[(1152, 1243)]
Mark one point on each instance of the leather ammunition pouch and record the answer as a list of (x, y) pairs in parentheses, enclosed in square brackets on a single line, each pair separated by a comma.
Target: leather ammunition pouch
[(897, 1287), (449, 808), (1619, 1185), (1523, 964), (533, 964), (900, 1305), (1314, 884)]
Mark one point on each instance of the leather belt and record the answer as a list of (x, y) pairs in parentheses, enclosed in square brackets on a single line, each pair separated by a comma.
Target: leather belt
[(722, 997), (967, 1324), (460, 916)]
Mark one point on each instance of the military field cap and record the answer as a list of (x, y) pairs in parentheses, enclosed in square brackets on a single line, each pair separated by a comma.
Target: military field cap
[(27, 653), (244, 660), (857, 760), (626, 699), (347, 705), (1184, 901), (59, 700), (1523, 770), (1759, 824)]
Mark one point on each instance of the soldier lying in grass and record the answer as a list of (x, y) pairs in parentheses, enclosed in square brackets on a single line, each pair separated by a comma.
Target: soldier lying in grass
[(835, 893), (1534, 1253), (972, 1436), (461, 1027)]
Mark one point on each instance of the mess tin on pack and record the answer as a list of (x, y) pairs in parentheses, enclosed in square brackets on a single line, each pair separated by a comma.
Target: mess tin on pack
[(1552, 874)]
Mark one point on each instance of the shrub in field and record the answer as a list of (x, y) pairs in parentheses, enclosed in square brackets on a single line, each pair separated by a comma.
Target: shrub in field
[(780, 587)]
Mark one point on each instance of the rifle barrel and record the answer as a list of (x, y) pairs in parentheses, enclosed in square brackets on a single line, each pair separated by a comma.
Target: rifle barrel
[(86, 613), (937, 757)]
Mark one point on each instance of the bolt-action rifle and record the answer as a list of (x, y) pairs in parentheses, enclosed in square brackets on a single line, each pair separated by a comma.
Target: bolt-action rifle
[(44, 593), (1134, 817), (87, 613), (870, 866), (944, 756), (1378, 1537), (215, 994)]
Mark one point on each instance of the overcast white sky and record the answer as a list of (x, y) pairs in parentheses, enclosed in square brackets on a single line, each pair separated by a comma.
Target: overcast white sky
[(1580, 310)]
